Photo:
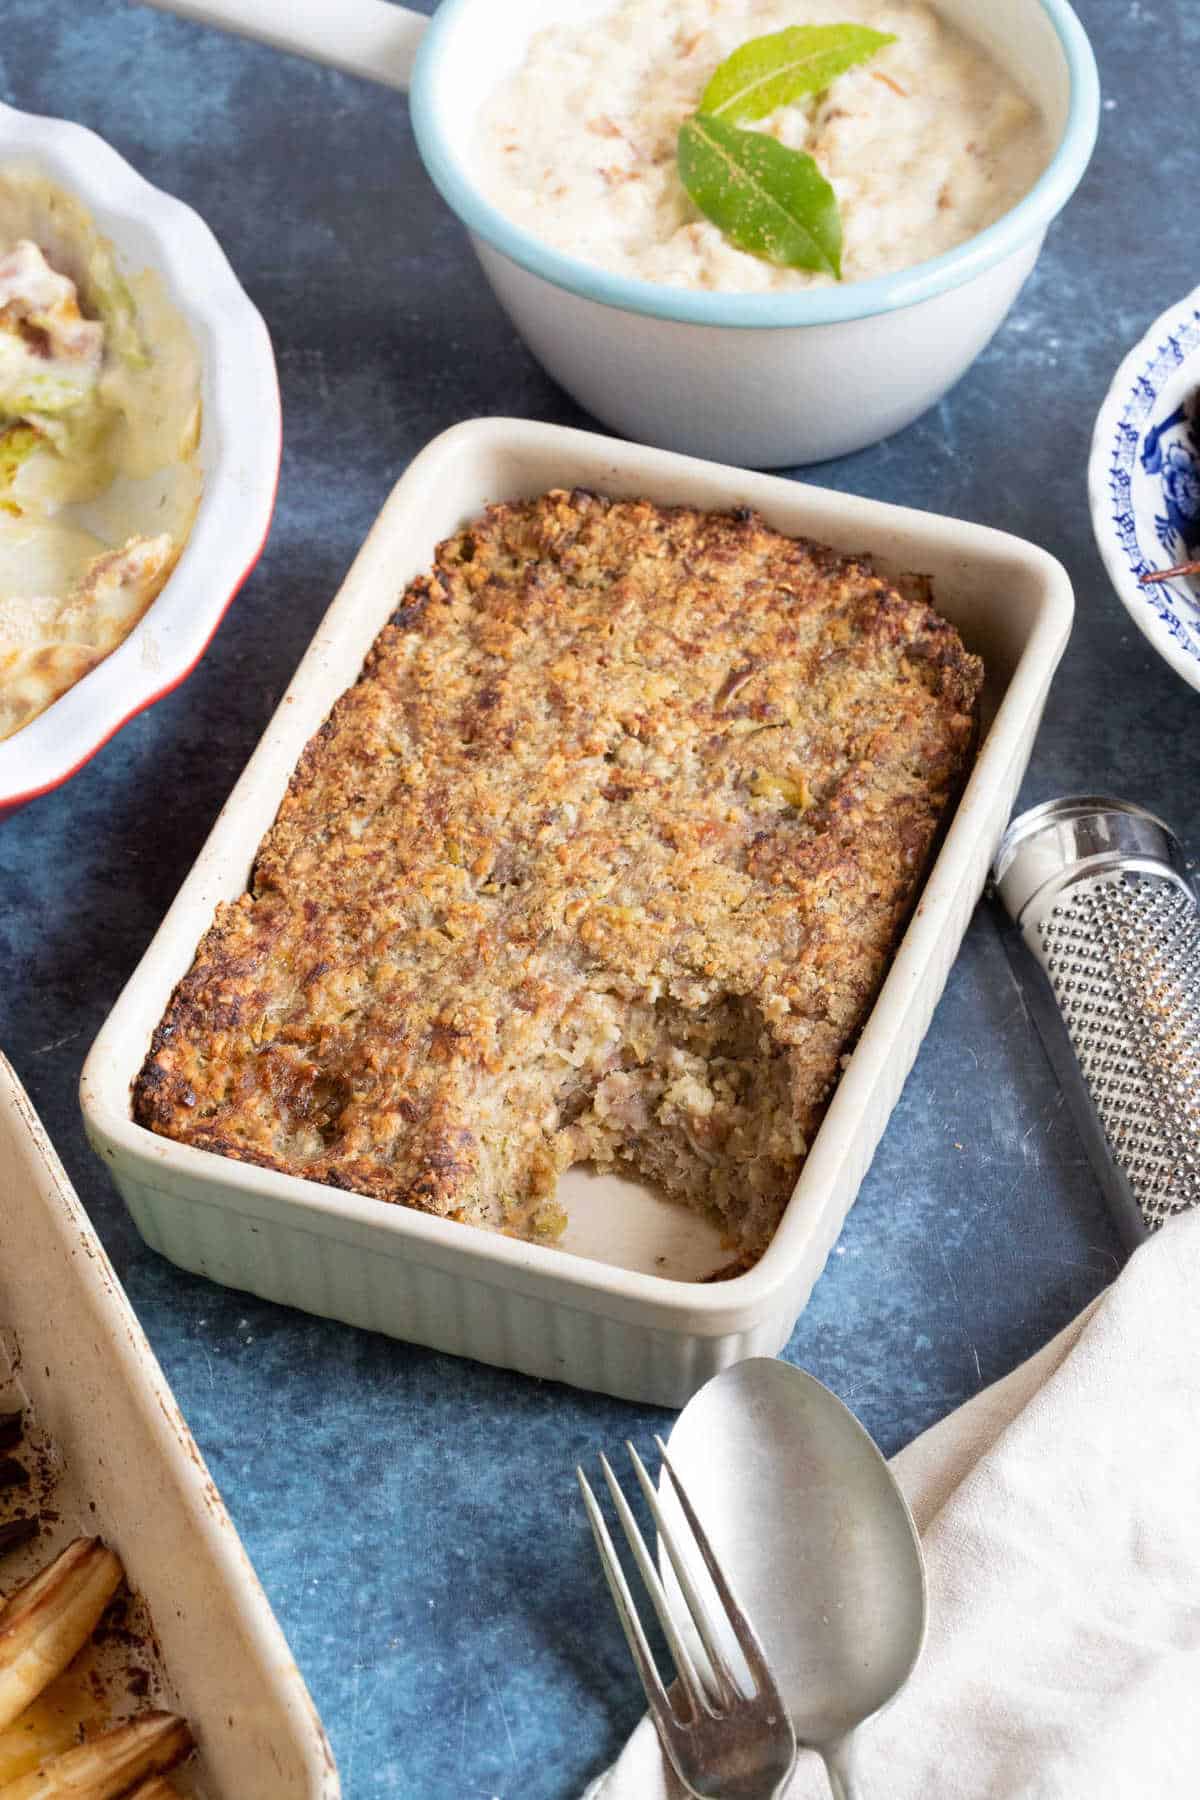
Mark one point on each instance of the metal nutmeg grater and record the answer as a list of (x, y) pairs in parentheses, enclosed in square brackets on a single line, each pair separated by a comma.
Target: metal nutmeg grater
[(1100, 893)]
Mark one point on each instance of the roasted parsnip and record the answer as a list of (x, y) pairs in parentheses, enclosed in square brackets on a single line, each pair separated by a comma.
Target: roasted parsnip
[(48, 1726), (109, 1766), (48, 1621)]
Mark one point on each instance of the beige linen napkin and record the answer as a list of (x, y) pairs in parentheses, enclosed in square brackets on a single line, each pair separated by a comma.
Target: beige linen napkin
[(1060, 1514)]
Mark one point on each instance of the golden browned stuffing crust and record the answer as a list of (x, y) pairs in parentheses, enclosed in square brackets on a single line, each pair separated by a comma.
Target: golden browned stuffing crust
[(603, 856)]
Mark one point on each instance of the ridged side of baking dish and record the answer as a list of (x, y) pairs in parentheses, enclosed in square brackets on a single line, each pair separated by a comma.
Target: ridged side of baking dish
[(376, 1287), (597, 1312), (131, 1472)]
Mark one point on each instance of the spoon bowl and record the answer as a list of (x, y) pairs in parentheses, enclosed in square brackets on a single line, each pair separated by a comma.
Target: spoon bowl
[(817, 1540)]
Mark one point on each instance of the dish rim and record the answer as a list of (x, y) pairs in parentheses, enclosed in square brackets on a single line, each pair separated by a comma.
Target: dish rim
[(1005, 237), (241, 445), (1134, 376), (106, 1080), (134, 1368)]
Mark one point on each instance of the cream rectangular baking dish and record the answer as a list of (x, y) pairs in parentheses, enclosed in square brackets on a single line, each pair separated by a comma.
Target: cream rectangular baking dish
[(621, 1304), (73, 1352)]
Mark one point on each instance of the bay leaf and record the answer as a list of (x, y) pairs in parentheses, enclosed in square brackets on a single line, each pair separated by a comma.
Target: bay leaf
[(784, 66), (768, 200)]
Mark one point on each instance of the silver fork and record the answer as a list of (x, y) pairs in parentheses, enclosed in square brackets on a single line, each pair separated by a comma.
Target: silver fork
[(728, 1744)]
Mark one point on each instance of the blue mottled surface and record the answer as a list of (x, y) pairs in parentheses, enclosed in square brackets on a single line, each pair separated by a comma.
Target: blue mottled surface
[(413, 1518)]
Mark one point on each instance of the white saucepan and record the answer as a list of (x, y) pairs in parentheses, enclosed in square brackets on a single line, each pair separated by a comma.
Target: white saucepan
[(762, 379)]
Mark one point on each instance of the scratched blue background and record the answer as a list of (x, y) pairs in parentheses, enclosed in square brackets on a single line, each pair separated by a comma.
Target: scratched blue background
[(413, 1518)]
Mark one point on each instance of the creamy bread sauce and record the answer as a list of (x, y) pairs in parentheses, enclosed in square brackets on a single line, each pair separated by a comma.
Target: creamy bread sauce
[(99, 424), (924, 145)]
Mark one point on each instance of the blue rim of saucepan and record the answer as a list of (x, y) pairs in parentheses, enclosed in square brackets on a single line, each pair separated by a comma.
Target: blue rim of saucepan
[(809, 306)]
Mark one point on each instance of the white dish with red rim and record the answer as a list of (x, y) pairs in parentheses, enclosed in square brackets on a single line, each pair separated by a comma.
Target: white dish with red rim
[(239, 450)]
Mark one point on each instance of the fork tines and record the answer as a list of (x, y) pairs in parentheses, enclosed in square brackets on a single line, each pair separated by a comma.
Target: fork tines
[(704, 1704)]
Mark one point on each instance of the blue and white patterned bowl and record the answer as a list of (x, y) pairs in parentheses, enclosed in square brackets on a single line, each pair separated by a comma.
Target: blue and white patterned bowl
[(1144, 483)]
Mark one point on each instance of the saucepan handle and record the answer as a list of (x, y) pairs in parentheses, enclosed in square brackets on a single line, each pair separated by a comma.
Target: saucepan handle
[(370, 38)]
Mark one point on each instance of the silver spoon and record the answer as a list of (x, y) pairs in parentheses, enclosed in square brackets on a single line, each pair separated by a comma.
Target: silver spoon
[(818, 1543)]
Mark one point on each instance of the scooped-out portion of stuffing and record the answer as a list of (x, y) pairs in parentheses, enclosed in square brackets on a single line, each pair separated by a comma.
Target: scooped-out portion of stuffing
[(602, 859)]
